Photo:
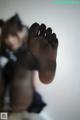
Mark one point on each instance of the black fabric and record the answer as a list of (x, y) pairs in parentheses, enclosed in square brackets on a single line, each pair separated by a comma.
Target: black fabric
[(8, 71), (37, 103)]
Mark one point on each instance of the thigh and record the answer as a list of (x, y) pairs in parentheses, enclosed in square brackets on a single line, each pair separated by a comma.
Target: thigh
[(21, 90)]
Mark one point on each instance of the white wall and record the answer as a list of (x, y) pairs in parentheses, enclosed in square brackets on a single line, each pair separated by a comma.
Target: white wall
[(63, 94)]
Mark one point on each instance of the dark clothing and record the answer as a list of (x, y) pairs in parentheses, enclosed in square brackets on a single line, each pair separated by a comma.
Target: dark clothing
[(37, 103)]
